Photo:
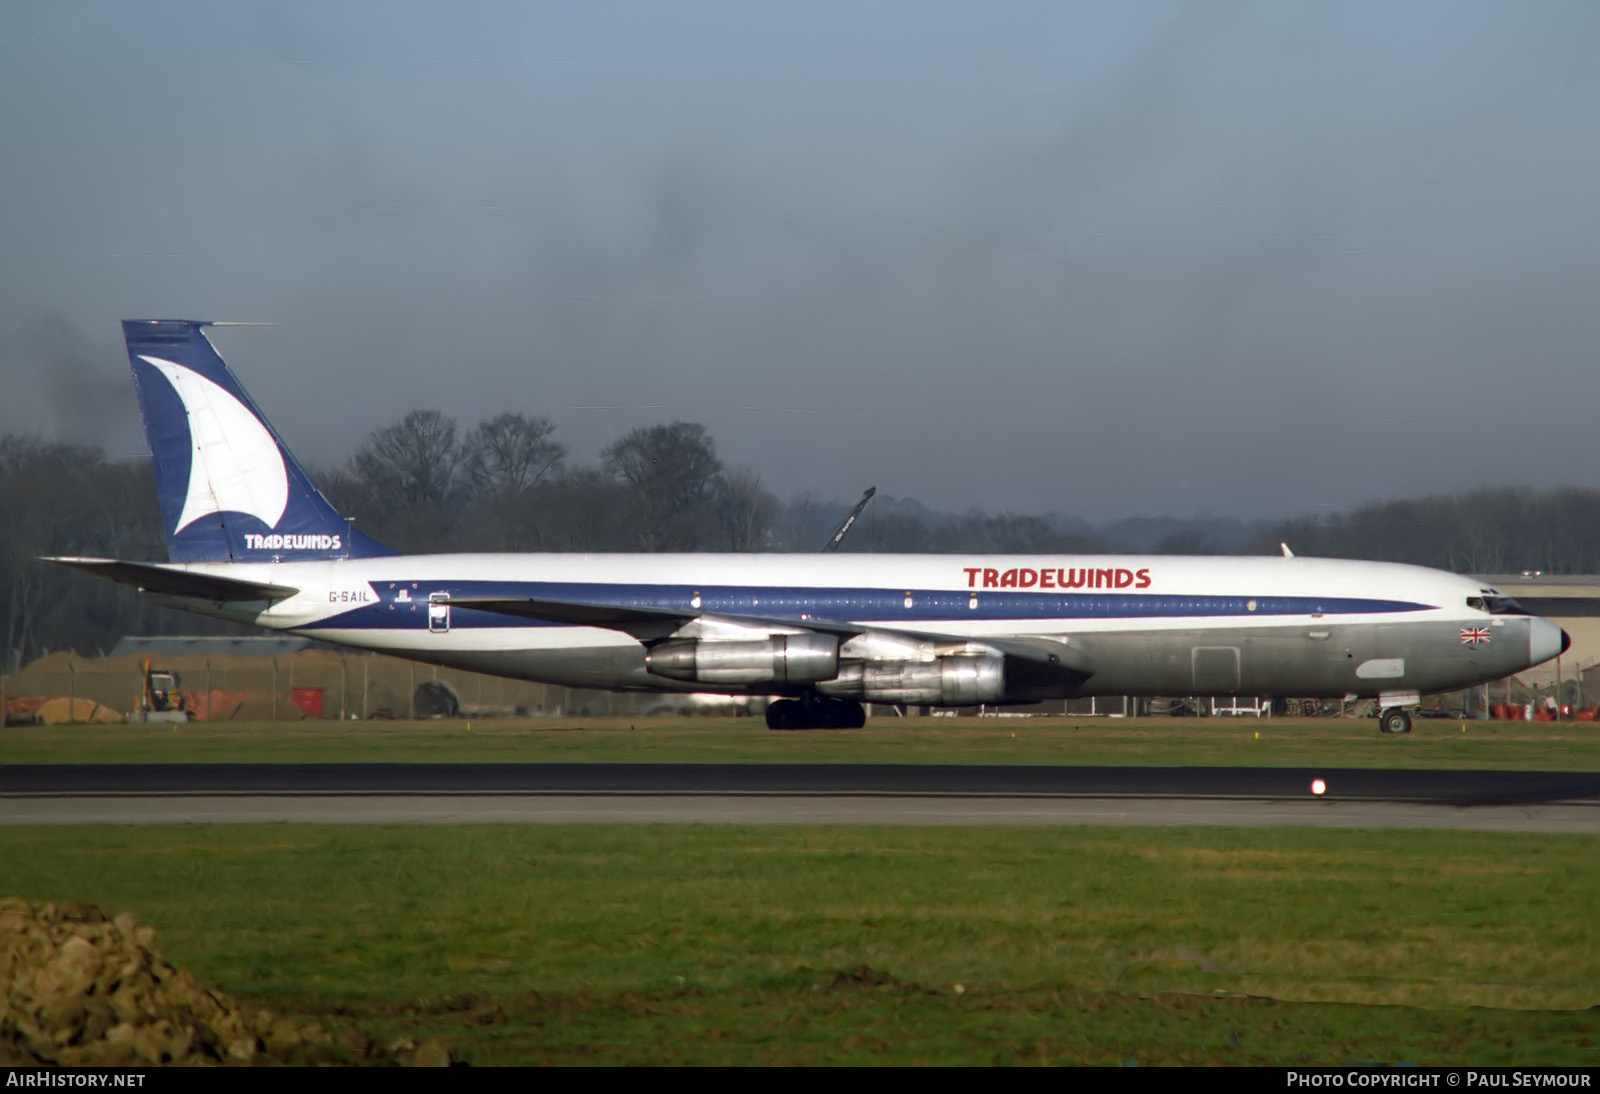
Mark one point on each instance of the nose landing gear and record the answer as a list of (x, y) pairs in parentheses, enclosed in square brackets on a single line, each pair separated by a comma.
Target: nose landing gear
[(1395, 720)]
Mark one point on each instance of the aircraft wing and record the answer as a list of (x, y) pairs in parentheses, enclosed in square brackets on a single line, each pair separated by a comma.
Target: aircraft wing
[(1030, 661), (1041, 662), (644, 624), (175, 581)]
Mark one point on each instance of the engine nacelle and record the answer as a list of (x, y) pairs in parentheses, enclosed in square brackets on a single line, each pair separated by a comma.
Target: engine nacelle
[(945, 681), (781, 659)]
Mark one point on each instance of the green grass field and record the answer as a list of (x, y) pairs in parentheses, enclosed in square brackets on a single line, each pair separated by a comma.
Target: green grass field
[(709, 944), (703, 944), (1543, 746)]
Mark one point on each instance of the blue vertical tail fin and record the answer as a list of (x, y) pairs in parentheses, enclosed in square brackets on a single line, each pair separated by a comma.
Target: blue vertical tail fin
[(229, 489)]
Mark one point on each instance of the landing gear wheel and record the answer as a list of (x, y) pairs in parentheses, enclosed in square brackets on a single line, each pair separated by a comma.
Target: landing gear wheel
[(843, 714), (1395, 720), (816, 714), (786, 714)]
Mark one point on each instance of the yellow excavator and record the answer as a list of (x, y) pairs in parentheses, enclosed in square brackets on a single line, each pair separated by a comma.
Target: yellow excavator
[(161, 699)]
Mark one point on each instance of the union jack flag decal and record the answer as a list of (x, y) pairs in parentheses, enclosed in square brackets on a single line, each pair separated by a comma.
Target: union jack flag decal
[(1473, 636)]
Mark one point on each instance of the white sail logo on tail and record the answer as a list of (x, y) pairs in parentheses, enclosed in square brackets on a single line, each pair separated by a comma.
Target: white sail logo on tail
[(234, 464)]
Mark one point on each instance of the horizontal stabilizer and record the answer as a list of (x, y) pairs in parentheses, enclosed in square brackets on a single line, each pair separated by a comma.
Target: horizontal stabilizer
[(153, 577)]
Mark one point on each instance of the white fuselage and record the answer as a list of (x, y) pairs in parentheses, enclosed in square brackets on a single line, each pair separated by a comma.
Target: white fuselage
[(1400, 627)]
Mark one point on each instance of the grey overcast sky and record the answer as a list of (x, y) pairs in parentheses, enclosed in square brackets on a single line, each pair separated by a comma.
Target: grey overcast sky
[(1096, 258)]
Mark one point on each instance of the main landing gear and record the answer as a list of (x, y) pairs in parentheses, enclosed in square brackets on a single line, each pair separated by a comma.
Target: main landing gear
[(1394, 720), (816, 712)]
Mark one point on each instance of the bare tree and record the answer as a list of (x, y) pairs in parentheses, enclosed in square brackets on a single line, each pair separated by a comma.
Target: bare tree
[(746, 511), (44, 491), (675, 476), (61, 499), (581, 510), (413, 463), (509, 454), (1484, 531)]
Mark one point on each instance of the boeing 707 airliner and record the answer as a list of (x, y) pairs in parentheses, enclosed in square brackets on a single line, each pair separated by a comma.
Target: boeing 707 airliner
[(251, 539)]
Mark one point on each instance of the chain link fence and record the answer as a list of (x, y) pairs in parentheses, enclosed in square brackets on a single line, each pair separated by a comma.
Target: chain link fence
[(309, 685), (329, 684)]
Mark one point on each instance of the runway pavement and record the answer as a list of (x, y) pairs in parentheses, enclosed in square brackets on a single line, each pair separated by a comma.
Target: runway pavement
[(916, 794), (791, 809)]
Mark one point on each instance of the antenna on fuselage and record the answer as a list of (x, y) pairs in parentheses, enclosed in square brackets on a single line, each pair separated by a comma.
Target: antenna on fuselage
[(844, 527)]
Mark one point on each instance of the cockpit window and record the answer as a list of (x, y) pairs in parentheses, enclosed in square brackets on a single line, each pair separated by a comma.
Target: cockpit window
[(1496, 605)]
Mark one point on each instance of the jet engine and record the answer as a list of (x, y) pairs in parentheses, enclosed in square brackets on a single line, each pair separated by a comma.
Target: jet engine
[(781, 659), (945, 681)]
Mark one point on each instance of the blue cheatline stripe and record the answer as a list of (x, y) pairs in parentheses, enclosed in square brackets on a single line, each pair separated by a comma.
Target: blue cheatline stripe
[(886, 605)]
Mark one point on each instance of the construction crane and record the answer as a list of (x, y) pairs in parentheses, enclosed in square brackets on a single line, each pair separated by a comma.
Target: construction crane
[(844, 527)]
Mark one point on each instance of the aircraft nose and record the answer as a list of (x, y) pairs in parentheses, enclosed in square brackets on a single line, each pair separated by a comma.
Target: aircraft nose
[(1546, 640)]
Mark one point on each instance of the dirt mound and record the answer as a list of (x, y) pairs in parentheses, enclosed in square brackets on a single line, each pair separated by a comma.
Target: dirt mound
[(60, 710), (85, 990)]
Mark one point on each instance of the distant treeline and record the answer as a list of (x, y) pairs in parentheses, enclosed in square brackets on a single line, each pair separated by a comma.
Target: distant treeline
[(423, 484)]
